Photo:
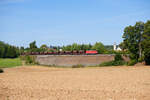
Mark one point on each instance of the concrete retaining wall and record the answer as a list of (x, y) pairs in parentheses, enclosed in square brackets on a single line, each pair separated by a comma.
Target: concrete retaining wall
[(70, 60)]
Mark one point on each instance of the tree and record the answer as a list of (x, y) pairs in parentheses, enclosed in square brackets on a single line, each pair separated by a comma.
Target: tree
[(132, 40), (75, 46), (99, 47), (33, 45), (86, 46), (22, 50), (66, 48), (146, 42), (8, 51), (137, 41), (44, 46), (2, 49)]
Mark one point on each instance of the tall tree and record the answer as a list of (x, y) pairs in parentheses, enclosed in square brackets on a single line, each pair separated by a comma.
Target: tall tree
[(33, 45), (146, 42), (132, 40)]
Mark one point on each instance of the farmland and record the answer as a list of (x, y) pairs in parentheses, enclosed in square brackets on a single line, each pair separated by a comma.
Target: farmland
[(101, 83)]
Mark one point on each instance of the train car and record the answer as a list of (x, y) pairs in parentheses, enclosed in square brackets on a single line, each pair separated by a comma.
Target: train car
[(61, 52), (91, 52), (74, 52), (50, 53), (55, 53), (81, 52), (68, 52)]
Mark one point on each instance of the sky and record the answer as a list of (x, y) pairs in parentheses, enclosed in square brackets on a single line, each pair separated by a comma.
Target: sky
[(63, 22)]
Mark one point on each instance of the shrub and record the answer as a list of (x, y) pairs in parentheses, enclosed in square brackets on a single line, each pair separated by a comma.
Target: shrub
[(29, 59), (141, 59), (116, 62), (1, 71), (118, 57), (113, 63), (132, 62), (78, 66)]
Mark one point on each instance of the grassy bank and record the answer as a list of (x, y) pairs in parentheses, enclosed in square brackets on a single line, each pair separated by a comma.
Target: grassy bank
[(7, 63)]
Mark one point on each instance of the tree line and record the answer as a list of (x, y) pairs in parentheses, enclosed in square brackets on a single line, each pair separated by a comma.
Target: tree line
[(44, 48), (8, 51)]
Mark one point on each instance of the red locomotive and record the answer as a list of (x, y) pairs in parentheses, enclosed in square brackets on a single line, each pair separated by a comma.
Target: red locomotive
[(91, 52)]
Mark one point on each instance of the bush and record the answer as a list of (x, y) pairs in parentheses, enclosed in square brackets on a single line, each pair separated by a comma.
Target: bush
[(118, 57), (132, 62), (78, 66), (141, 59), (1, 71), (29, 59), (113, 63), (116, 62)]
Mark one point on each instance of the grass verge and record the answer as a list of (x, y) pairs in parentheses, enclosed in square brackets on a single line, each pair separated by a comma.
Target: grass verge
[(8, 63)]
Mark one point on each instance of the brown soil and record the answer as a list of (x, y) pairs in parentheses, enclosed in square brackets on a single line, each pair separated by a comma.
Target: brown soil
[(105, 83)]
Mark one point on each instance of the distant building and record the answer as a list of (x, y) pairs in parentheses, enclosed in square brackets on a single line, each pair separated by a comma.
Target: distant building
[(117, 48)]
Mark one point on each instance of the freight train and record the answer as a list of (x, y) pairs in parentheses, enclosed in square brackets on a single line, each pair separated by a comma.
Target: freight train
[(80, 52)]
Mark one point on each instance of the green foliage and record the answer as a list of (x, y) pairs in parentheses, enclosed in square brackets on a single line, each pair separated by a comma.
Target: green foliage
[(8, 51), (137, 42), (113, 63), (141, 59), (1, 71), (132, 62), (76, 46), (78, 66), (131, 41), (146, 42), (4, 63), (116, 62), (33, 47), (99, 47), (86, 46), (29, 59), (109, 47), (118, 57)]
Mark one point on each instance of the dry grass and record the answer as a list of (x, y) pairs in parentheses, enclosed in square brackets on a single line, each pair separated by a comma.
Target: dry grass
[(105, 83)]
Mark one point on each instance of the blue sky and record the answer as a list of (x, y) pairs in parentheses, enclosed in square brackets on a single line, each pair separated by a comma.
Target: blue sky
[(62, 22)]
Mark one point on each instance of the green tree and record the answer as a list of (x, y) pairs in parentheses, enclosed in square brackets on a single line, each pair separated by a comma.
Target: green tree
[(33, 47), (8, 51), (75, 46), (146, 42), (44, 46), (22, 50), (132, 40), (86, 46), (99, 47)]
